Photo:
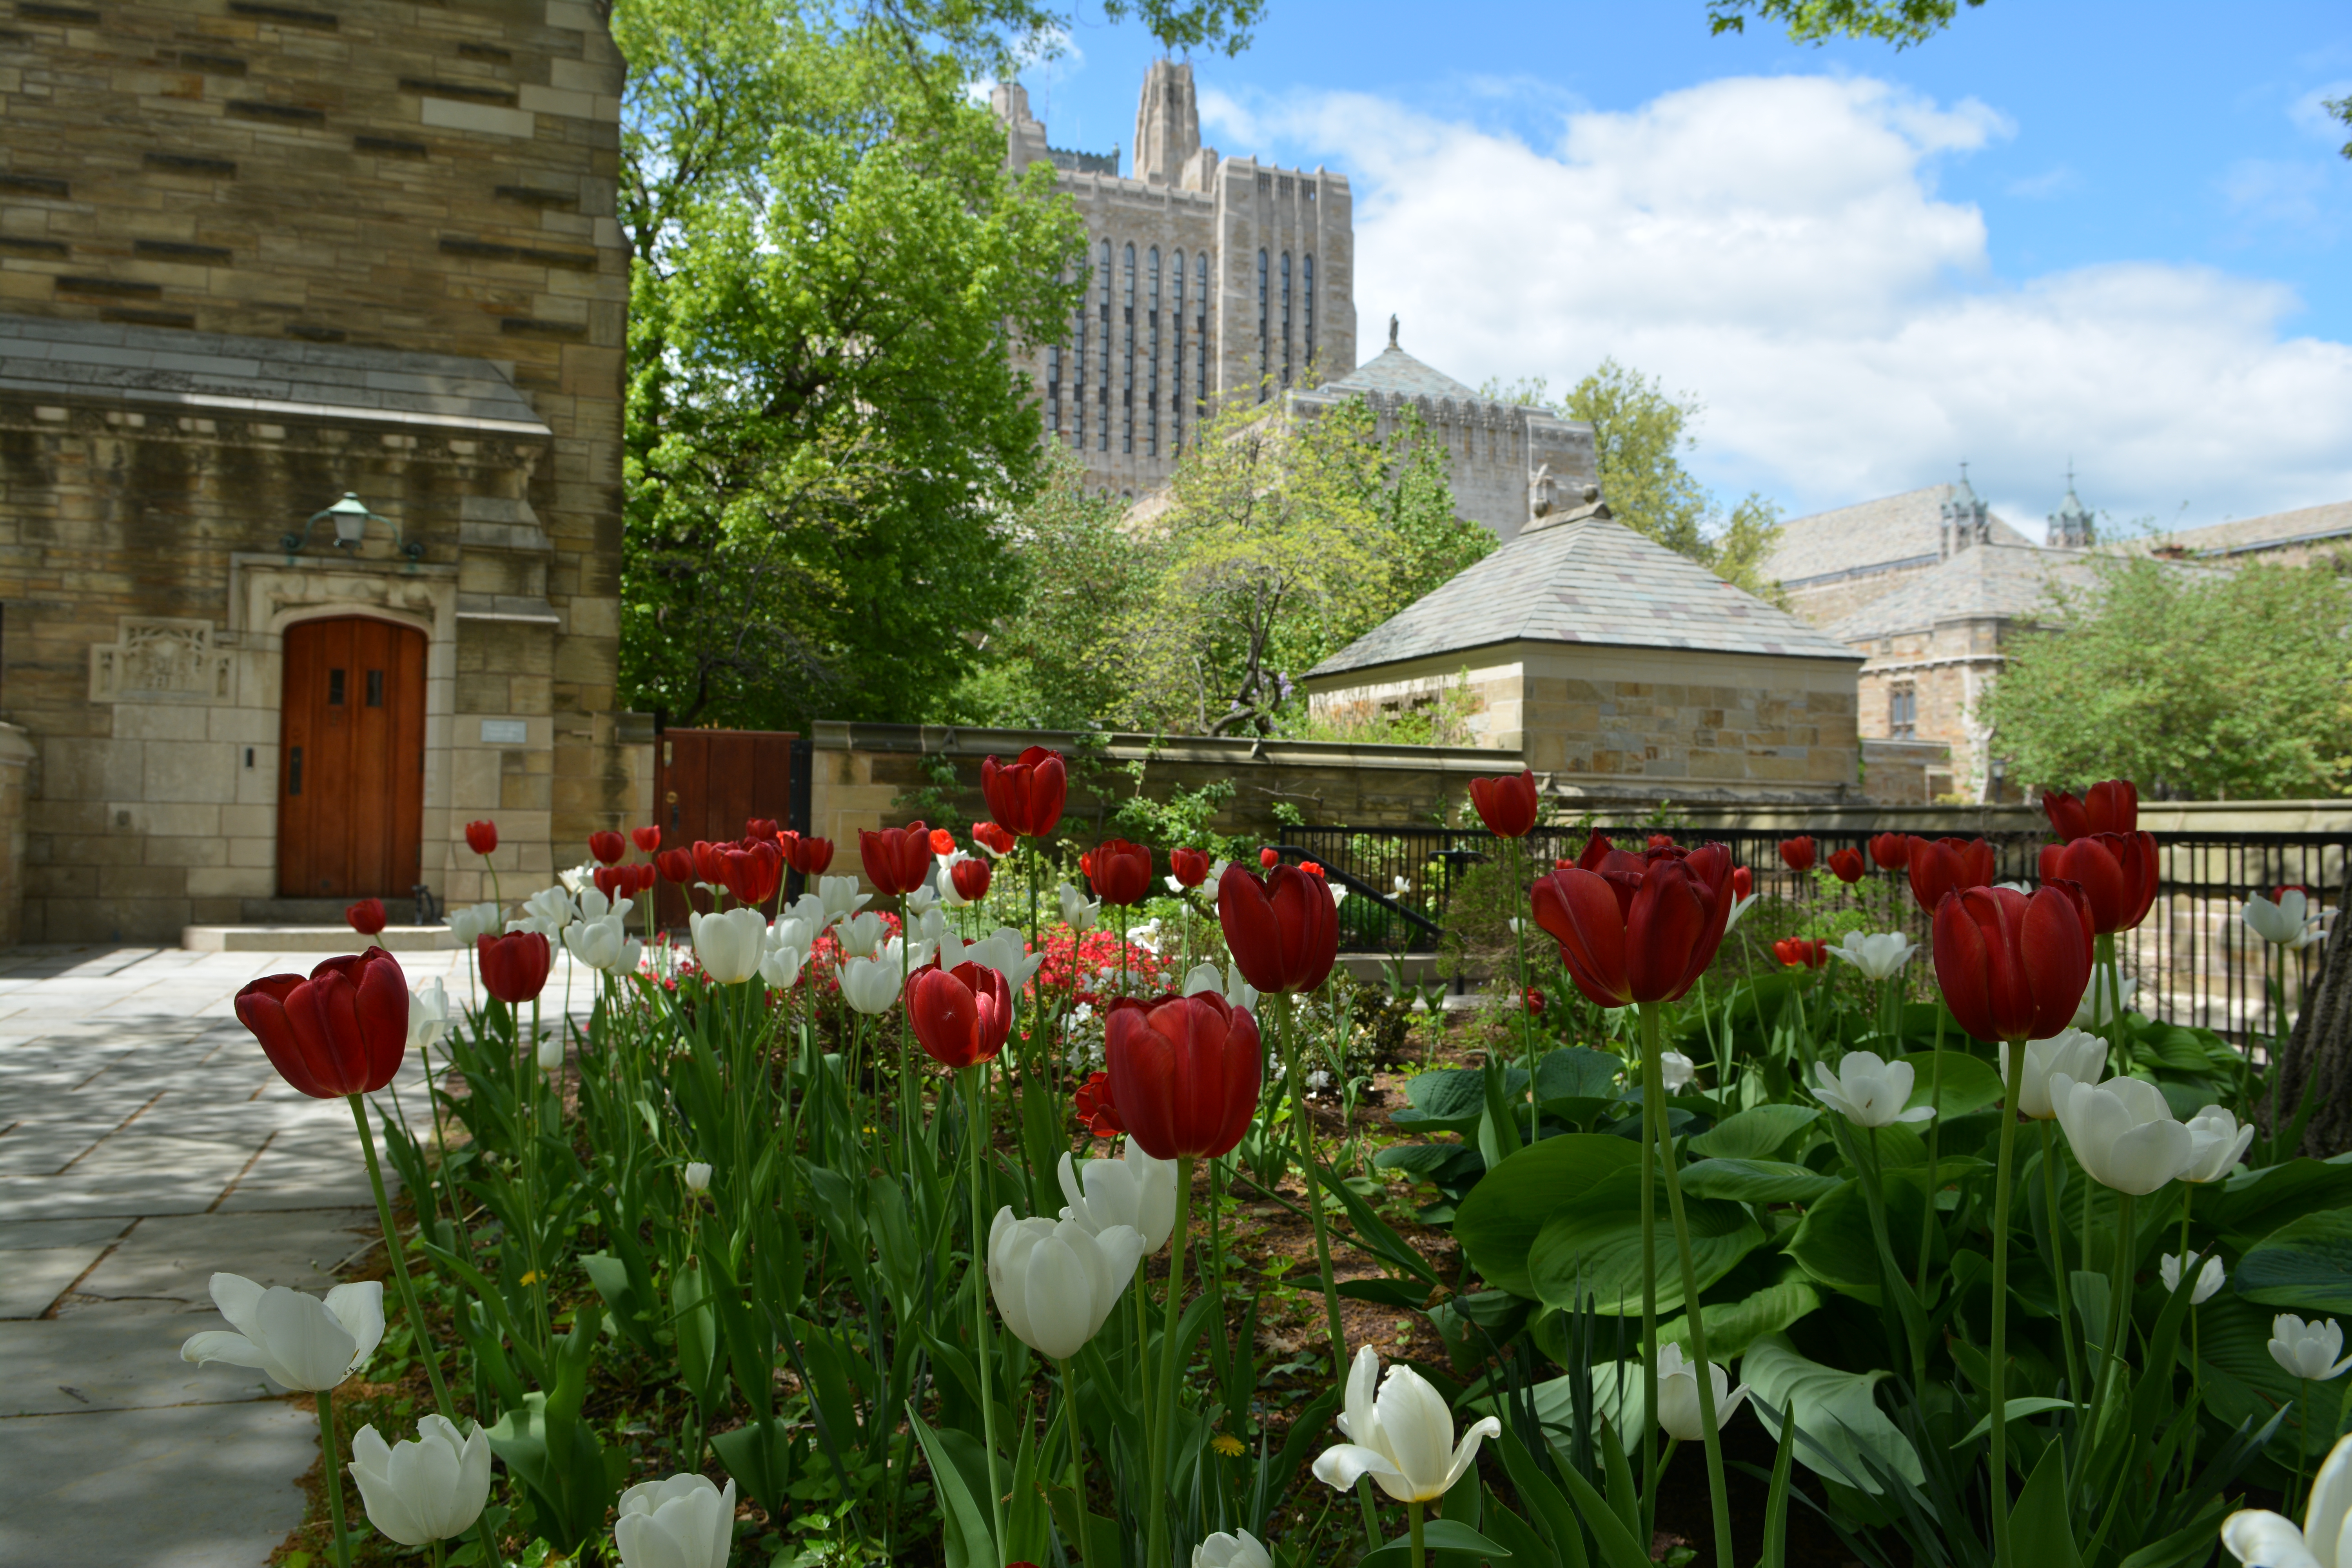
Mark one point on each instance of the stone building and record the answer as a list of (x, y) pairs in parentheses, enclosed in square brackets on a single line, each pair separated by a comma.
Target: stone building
[(1833, 562), (255, 258), (2300, 538), (1616, 669)]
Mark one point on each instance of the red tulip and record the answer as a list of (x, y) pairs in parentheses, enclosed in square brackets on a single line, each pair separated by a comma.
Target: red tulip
[(710, 863), (676, 866), (1189, 866), (1506, 804), (1597, 848), (970, 880), (994, 839), (1891, 850), (1184, 1073), (607, 845), (2109, 807), (1797, 853), (1095, 1107), (942, 842), (366, 917), (762, 828), (1941, 866), (2118, 872), (1798, 953), (614, 881), (646, 839), (342, 1031), (1534, 1000), (645, 870), (753, 875), (482, 837), (2014, 967), (1119, 870), (514, 966), (805, 853), (1025, 796), (897, 859), (961, 1015), (1269, 858), (1743, 882), (1846, 866), (1284, 931), (1637, 930)]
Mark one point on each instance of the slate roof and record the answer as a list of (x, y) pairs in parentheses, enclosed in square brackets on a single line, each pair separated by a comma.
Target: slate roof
[(1982, 581), (1394, 371), (41, 357), (2309, 524), (1879, 535), (1591, 582)]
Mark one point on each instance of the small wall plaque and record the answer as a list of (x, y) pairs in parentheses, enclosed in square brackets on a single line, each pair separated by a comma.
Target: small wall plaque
[(505, 732)]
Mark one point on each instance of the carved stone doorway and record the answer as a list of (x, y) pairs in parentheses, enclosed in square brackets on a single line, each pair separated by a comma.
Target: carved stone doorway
[(351, 780)]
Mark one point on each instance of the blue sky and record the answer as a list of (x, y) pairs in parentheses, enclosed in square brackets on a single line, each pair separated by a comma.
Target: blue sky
[(2118, 233)]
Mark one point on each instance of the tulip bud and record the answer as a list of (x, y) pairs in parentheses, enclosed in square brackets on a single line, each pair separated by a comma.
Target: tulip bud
[(607, 845), (1240, 1550), (514, 966), (1678, 1411), (1054, 1284), (2218, 1143), (1879, 955), (428, 1489), (1025, 796), (366, 917), (870, 984), (1674, 1070), (1797, 854), (685, 1522), (728, 945), (1076, 912), (482, 837), (698, 1176), (1134, 1190), (2210, 1278), (551, 1053)]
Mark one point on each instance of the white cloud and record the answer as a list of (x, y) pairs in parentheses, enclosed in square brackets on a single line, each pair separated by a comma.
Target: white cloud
[(1778, 247)]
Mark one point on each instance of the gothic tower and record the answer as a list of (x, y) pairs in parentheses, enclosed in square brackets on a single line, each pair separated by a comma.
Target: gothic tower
[(1966, 520), (2071, 526), (1166, 124)]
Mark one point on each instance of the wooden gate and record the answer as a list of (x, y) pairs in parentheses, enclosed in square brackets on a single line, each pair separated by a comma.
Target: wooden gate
[(351, 767), (709, 783)]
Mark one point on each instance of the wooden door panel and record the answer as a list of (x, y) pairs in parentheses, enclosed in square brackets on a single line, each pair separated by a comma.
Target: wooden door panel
[(351, 767), (709, 783)]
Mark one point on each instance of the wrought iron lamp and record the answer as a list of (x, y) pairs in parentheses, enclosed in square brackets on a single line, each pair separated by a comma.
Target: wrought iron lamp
[(350, 515)]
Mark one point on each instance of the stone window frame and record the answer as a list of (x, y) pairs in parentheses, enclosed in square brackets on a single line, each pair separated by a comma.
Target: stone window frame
[(1151, 389), (1126, 353), (1903, 710), (1286, 319), (1176, 351)]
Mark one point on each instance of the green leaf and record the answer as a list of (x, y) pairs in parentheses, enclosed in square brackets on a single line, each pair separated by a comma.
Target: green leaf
[(1618, 1547), (1497, 1223), (1834, 1245), (971, 1540), (1761, 1133), (2033, 1404), (2305, 1265), (1970, 1083), (1454, 1542), (1594, 1250), (1733, 1326), (2254, 1202), (2041, 1535), (1756, 1182), (1834, 1408), (1450, 1100)]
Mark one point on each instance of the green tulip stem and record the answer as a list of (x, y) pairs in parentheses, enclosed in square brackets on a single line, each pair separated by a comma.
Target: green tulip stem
[(1156, 1551), (1078, 1454), (1650, 1097), (1526, 1018), (1653, 1088), (2002, 1176), (439, 1556), (2301, 1436), (2119, 1306), (1935, 1163), (392, 1243), (330, 1449), (1413, 1517), (2058, 1266), (976, 1122)]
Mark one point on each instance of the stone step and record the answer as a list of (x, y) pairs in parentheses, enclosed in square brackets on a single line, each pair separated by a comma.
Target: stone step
[(312, 911), (336, 938)]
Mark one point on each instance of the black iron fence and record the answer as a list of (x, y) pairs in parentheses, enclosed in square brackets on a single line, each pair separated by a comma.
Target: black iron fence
[(2193, 959)]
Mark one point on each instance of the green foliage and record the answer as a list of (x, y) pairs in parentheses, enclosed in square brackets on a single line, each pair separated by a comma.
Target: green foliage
[(1898, 22), (823, 429), (2205, 686), (2341, 107)]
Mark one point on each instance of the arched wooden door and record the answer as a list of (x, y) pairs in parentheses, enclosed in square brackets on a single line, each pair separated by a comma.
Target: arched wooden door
[(351, 761)]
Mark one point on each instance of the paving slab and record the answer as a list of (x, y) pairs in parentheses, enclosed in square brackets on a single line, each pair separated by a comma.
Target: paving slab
[(33, 1278), (173, 1258)]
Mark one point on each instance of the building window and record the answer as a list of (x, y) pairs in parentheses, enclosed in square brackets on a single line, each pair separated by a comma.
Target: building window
[(1127, 354), (1285, 318), (1903, 713), (1265, 327), (1078, 364), (1053, 392), (1307, 282), (1102, 355), (1152, 387), (1176, 364), (1200, 333)]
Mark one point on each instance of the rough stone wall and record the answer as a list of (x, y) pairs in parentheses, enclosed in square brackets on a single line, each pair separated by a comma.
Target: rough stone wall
[(1946, 672), (1824, 603), (433, 178)]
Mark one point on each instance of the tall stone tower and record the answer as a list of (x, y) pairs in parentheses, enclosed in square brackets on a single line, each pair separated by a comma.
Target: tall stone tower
[(1208, 279), (2071, 526), (1965, 519)]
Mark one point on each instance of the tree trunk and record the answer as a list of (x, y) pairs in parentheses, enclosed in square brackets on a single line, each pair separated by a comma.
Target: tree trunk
[(2321, 1048)]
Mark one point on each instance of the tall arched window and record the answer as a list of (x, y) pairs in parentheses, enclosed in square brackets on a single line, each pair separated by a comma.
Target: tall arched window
[(1102, 353), (1264, 329), (1200, 334), (1078, 359), (1126, 353), (1052, 392), (1285, 318), (1176, 351), (1306, 280), (1151, 383)]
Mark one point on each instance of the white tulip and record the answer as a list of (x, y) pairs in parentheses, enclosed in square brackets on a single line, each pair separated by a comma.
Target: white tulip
[(1055, 1283), (924, 901), (2095, 1010), (2210, 1278), (698, 1176), (431, 1488), (551, 1053), (839, 897), (1678, 1411), (870, 985), (900, 953), (728, 944), (809, 910), (595, 906), (2309, 1351), (1134, 1190), (1339, 894), (428, 1015), (2292, 921), (475, 920), (682, 1522), (603, 944), (547, 911), (791, 931), (1674, 1070), (860, 934), (2024, 888), (301, 1342), (1880, 955), (1175, 887), (1401, 1439), (1400, 886), (2081, 1057), (2257, 1536), (1076, 914), (1207, 979), (1240, 1550), (2122, 1132), (1216, 875), (2217, 1144), (1868, 1092), (779, 967), (581, 876)]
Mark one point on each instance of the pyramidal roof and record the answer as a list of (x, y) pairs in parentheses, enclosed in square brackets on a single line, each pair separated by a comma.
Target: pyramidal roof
[(1587, 581)]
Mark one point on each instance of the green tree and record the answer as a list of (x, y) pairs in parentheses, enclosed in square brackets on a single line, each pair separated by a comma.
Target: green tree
[(2196, 684), (1898, 22), (823, 430)]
